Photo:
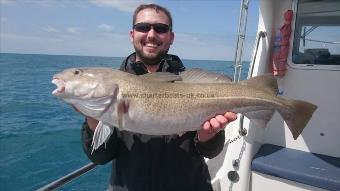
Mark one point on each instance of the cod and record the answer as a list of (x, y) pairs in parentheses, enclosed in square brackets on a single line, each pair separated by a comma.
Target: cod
[(163, 103)]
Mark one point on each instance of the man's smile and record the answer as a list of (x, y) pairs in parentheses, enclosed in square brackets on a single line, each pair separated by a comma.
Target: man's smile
[(151, 44)]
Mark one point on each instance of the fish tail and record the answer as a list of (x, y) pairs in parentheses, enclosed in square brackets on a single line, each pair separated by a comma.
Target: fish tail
[(303, 112)]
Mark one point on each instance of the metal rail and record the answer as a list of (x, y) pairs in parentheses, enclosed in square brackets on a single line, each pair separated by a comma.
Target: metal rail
[(259, 36), (241, 34), (67, 178)]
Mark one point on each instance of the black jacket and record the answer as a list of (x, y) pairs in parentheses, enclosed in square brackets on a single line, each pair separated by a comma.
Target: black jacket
[(149, 163)]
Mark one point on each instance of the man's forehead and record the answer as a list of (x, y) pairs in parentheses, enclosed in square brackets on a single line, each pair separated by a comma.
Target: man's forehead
[(152, 16)]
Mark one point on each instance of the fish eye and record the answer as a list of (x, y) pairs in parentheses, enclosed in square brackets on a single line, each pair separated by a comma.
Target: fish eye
[(76, 72)]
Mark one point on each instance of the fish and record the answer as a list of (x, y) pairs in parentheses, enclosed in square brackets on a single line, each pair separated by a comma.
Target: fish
[(163, 103)]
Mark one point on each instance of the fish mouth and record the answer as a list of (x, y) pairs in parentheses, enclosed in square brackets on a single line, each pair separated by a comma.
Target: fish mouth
[(60, 86)]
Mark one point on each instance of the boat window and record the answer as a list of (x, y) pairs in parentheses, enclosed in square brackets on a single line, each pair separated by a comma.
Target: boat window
[(317, 33)]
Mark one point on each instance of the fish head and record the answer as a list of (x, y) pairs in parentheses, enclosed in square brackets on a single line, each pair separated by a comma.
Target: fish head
[(82, 83)]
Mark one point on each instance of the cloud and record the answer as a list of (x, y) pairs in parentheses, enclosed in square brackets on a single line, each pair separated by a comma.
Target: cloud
[(43, 3), (72, 30), (126, 6), (5, 2), (106, 27), (4, 19), (50, 29), (202, 46), (87, 44)]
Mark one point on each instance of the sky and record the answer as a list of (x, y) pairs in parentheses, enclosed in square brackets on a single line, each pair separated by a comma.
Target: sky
[(204, 30)]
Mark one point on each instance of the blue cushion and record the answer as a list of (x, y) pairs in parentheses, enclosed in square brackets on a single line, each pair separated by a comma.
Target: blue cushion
[(304, 167)]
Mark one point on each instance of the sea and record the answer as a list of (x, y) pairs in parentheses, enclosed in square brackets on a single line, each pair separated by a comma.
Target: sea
[(39, 134)]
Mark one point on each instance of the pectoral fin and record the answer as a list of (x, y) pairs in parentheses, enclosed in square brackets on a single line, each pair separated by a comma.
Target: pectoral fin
[(101, 135)]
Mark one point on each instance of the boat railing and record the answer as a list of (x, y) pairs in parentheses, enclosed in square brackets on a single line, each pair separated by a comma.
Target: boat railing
[(260, 35), (67, 178), (241, 34)]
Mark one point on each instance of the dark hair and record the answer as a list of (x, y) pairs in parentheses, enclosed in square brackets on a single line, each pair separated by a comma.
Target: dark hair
[(157, 8)]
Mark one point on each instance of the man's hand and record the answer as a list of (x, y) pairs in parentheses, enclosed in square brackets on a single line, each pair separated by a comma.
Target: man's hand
[(214, 125)]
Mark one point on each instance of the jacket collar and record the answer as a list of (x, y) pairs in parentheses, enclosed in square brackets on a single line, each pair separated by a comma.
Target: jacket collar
[(170, 63)]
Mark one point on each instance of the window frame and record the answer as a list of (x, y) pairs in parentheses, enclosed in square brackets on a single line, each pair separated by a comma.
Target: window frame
[(292, 41)]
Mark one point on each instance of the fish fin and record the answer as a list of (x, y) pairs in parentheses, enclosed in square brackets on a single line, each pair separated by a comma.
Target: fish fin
[(101, 135), (303, 113), (260, 117), (265, 83), (197, 75), (123, 108), (160, 77)]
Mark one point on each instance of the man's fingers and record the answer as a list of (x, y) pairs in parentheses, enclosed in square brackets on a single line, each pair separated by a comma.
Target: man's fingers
[(206, 126), (222, 119), (230, 116), (215, 124)]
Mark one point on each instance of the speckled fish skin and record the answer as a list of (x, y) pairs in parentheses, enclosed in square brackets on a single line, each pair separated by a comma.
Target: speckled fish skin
[(150, 106)]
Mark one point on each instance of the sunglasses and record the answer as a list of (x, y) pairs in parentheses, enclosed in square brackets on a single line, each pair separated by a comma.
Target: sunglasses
[(146, 27)]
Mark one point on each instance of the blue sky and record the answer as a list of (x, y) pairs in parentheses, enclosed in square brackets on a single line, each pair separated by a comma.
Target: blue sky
[(204, 30)]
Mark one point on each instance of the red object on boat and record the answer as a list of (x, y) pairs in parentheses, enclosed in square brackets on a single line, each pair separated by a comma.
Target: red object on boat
[(281, 46)]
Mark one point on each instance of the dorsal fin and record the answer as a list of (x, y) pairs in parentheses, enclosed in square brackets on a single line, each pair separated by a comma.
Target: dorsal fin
[(189, 76), (265, 83), (160, 77), (196, 75)]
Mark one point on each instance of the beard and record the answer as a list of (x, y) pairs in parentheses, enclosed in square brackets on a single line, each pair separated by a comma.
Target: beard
[(151, 59)]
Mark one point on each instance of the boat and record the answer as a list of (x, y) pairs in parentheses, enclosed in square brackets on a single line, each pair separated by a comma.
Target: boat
[(268, 158), (297, 42)]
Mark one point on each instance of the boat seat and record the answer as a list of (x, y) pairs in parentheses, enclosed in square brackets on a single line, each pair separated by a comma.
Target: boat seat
[(304, 167)]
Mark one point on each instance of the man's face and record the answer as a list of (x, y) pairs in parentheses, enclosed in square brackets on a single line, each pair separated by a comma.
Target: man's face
[(151, 46)]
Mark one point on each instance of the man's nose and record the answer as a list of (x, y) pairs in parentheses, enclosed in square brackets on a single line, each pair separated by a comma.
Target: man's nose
[(152, 33)]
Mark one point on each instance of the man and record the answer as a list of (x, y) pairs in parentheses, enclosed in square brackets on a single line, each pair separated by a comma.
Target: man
[(144, 162)]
